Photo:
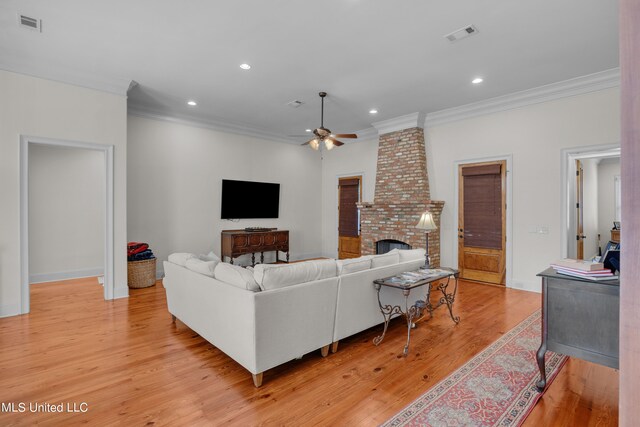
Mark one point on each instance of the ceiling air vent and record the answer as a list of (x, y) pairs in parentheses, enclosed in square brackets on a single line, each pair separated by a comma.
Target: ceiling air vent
[(462, 33), (30, 23), (295, 103)]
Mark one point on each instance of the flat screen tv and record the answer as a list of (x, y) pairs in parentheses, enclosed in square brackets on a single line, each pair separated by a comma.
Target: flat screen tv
[(248, 199)]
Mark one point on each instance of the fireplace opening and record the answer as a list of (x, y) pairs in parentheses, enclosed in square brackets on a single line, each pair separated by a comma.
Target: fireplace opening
[(384, 246)]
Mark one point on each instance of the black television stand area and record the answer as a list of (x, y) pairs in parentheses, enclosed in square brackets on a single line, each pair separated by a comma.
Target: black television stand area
[(240, 242), (253, 229)]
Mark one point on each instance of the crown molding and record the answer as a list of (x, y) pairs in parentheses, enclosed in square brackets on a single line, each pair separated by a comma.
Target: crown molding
[(577, 86), (116, 86), (408, 121), (212, 124)]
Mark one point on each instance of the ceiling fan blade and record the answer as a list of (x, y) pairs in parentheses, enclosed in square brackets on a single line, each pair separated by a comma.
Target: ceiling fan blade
[(345, 135), (335, 142), (313, 143)]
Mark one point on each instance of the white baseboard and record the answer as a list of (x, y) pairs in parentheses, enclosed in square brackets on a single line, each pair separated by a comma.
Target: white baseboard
[(65, 275), (10, 310), (527, 286)]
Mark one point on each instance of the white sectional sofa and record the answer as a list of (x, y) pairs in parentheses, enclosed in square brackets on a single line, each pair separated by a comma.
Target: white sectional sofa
[(357, 306), (272, 314)]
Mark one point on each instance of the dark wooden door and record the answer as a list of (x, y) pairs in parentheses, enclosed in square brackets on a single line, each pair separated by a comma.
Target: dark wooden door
[(482, 222), (349, 193)]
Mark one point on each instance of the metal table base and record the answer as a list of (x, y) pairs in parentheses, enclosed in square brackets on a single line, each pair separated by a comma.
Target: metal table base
[(417, 310)]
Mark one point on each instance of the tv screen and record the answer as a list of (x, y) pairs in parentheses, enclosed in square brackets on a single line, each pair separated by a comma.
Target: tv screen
[(248, 199)]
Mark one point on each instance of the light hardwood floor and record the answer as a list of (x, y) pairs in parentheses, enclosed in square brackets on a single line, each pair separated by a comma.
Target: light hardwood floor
[(132, 366)]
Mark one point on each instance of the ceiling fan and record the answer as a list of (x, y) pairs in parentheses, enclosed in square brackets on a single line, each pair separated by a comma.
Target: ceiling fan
[(324, 135)]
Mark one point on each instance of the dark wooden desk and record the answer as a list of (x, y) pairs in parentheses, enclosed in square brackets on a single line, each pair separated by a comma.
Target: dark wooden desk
[(579, 318), (239, 242)]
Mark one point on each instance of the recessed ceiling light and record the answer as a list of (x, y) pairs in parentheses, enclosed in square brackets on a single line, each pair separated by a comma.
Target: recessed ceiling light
[(477, 80), (307, 130), (192, 103), (245, 66), (373, 111)]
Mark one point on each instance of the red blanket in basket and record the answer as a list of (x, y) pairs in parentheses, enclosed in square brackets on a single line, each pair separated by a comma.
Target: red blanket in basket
[(136, 247)]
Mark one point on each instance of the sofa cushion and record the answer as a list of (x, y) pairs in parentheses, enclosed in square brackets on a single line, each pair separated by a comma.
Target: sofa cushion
[(209, 257), (274, 276), (181, 258), (236, 276), (346, 266), (409, 254), (203, 267), (390, 258)]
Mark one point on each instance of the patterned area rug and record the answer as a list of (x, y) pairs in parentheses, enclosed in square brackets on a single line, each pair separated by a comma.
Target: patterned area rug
[(495, 388)]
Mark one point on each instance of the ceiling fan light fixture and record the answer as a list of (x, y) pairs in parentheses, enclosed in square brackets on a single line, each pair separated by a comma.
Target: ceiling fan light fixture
[(324, 135)]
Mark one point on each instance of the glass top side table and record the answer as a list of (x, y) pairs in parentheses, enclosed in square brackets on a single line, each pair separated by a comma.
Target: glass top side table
[(408, 281)]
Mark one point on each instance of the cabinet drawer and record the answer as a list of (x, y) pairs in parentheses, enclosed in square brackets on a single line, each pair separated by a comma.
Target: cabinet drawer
[(240, 241), (256, 240)]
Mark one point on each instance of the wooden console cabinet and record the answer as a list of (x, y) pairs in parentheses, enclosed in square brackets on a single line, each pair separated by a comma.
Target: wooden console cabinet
[(240, 242)]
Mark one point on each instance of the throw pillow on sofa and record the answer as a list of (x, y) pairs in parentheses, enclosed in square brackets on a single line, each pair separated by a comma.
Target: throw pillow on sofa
[(353, 265), (209, 257), (203, 267), (274, 276), (181, 258), (236, 276), (390, 258)]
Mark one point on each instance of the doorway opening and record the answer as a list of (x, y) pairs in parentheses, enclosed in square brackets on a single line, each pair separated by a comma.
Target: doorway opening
[(349, 194), (30, 258), (498, 265), (591, 200), (482, 221)]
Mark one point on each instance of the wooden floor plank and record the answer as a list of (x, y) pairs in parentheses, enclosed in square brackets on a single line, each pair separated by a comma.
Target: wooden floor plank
[(133, 366)]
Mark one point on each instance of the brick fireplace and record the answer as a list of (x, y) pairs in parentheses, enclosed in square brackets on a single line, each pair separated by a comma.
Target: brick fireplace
[(401, 195)]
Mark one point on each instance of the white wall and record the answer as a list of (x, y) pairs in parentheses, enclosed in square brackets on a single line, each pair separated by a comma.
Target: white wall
[(590, 208), (174, 184), (607, 170), (38, 107), (66, 212), (352, 159), (534, 135)]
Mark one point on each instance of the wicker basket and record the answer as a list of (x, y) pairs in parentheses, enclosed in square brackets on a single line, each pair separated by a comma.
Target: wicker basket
[(141, 274)]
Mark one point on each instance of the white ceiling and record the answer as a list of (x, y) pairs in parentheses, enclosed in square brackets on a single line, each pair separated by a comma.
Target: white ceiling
[(389, 55)]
